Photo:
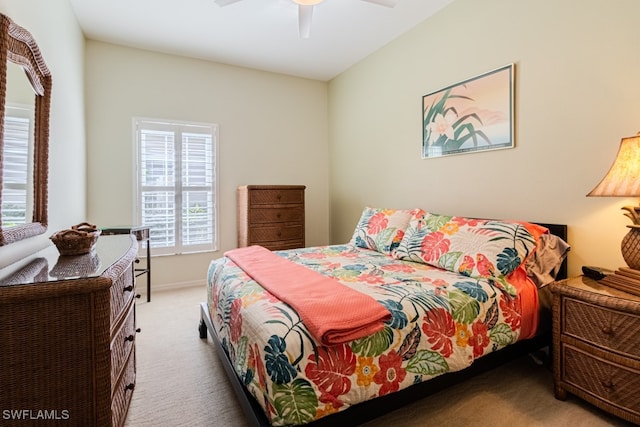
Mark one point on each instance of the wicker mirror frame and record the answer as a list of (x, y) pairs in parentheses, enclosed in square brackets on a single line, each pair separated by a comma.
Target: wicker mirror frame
[(18, 46)]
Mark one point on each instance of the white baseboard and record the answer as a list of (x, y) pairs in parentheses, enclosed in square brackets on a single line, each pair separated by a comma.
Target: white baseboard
[(142, 287)]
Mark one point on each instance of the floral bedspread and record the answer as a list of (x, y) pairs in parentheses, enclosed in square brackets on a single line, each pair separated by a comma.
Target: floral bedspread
[(440, 323)]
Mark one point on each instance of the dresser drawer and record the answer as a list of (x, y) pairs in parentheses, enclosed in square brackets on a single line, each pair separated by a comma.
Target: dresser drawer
[(122, 292), (270, 234), (121, 344), (275, 215), (285, 244), (121, 397), (606, 328), (276, 196), (602, 379)]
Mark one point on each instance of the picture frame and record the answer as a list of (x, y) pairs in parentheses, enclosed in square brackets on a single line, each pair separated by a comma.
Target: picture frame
[(470, 116)]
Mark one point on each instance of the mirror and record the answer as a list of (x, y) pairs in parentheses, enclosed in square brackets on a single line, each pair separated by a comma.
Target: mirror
[(17, 161), (17, 46)]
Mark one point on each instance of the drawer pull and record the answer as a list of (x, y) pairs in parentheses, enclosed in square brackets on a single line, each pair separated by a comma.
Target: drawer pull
[(130, 386), (132, 337), (607, 330), (137, 261), (138, 296), (128, 288)]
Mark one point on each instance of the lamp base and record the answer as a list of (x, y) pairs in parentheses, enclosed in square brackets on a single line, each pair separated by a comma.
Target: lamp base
[(631, 247)]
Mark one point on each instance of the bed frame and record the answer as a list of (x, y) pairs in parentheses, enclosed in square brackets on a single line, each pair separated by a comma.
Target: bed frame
[(381, 405)]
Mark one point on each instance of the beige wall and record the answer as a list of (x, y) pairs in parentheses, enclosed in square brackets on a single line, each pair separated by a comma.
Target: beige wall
[(576, 91), (273, 130), (577, 88), (53, 25)]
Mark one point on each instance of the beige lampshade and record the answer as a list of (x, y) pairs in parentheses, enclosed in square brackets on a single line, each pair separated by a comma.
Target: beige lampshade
[(623, 179)]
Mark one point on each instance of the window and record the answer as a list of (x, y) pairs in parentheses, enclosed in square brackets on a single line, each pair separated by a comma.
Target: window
[(16, 197), (176, 185)]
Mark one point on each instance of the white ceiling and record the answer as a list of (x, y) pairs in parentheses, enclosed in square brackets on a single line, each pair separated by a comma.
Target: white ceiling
[(260, 34)]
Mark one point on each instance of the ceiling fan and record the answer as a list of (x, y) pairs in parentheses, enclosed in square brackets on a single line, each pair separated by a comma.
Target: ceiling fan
[(305, 11)]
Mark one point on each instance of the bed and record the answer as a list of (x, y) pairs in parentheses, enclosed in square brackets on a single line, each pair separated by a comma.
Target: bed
[(448, 297)]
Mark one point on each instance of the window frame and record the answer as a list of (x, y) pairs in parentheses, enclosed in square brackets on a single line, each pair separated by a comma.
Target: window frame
[(180, 247)]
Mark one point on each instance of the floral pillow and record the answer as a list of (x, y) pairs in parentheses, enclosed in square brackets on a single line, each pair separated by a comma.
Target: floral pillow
[(471, 247), (382, 230)]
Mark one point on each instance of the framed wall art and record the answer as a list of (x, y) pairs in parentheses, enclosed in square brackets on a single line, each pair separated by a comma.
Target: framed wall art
[(471, 116)]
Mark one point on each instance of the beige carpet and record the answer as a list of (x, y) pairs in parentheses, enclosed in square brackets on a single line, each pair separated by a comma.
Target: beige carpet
[(181, 382)]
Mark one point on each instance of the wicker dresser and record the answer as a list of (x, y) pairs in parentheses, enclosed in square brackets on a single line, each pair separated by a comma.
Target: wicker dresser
[(596, 346), (271, 216), (67, 334)]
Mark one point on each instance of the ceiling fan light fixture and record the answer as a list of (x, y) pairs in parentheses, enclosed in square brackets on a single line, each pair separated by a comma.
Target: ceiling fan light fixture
[(308, 2)]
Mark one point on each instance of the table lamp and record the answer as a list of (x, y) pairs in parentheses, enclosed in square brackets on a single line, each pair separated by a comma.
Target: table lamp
[(623, 180)]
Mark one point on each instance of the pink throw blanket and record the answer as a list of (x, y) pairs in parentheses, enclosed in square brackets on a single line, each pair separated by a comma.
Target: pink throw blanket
[(332, 312)]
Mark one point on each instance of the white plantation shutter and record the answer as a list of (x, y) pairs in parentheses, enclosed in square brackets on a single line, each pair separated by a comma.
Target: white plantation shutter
[(16, 203), (176, 185)]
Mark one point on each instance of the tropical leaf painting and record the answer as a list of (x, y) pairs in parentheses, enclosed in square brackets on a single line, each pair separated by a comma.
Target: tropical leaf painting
[(473, 115)]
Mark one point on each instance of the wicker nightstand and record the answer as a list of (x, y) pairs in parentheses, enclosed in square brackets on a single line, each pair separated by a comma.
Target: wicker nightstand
[(596, 345)]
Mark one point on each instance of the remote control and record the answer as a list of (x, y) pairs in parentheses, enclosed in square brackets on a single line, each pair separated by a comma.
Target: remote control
[(596, 273)]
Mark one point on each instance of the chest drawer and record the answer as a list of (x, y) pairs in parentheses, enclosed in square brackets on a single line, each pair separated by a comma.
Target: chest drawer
[(276, 196), (286, 244), (281, 233), (275, 215), (608, 328), (616, 384)]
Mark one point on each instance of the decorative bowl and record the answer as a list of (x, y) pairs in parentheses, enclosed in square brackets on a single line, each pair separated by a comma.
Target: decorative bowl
[(79, 239)]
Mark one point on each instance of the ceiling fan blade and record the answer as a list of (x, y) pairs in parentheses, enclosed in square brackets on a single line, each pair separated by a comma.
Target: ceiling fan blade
[(386, 3), (223, 3), (305, 13)]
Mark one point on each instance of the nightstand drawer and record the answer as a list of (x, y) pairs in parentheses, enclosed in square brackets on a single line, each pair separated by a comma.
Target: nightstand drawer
[(614, 384), (605, 327)]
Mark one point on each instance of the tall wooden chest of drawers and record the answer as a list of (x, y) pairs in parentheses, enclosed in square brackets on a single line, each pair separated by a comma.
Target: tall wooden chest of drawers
[(596, 345), (67, 337), (271, 216)]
